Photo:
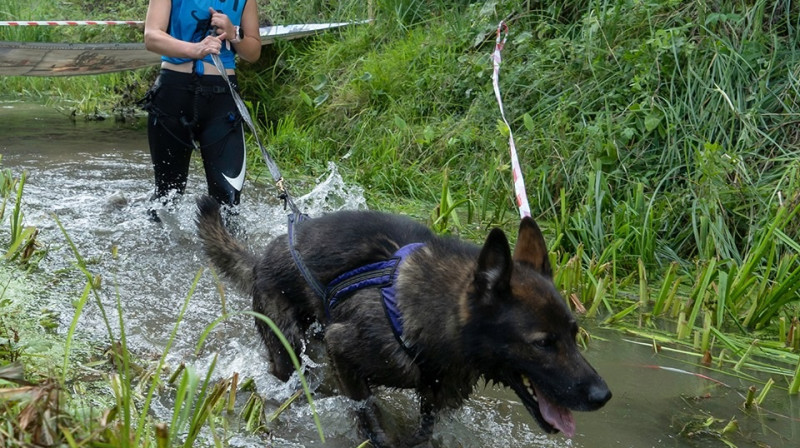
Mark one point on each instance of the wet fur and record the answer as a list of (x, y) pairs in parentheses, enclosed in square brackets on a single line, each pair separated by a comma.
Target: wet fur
[(468, 311)]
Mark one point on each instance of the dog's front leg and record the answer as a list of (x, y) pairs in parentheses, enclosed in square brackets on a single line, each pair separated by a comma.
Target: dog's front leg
[(339, 342), (370, 422), (427, 417)]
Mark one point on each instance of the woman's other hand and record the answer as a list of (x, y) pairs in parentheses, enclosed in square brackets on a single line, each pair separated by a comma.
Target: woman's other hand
[(222, 24), (209, 45)]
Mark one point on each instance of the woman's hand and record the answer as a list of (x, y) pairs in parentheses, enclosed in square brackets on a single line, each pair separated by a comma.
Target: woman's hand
[(209, 45), (222, 23)]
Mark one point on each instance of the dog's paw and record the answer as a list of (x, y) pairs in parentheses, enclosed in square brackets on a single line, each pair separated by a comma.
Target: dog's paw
[(425, 444), (370, 426), (418, 440)]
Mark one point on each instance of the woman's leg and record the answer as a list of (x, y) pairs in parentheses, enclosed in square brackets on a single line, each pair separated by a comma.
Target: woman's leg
[(170, 111), (169, 154), (223, 148)]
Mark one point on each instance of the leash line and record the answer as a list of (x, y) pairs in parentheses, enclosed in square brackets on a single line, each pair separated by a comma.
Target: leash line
[(516, 172), (274, 171)]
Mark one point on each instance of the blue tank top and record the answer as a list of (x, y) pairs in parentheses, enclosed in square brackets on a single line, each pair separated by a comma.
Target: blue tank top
[(190, 21)]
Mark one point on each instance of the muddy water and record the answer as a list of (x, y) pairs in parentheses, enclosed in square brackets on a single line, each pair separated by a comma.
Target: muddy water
[(96, 178)]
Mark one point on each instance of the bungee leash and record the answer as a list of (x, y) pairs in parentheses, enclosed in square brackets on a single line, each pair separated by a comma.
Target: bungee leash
[(280, 184)]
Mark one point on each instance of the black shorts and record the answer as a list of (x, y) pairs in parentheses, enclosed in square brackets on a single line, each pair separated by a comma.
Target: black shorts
[(185, 109)]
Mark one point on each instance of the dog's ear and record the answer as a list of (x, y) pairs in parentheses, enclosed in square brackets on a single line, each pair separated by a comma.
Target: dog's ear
[(531, 248), (494, 265)]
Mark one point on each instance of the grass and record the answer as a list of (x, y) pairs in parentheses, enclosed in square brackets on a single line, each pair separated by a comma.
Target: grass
[(22, 245), (51, 412), (656, 138)]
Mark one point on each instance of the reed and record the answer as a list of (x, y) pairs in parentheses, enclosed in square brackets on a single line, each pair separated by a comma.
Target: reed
[(750, 398), (72, 327), (667, 291), (794, 387), (705, 338), (644, 294), (23, 247), (599, 297), (795, 340), (232, 395), (253, 413), (285, 405), (764, 391)]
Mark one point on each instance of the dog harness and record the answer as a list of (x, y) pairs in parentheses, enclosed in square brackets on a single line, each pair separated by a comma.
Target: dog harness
[(381, 274)]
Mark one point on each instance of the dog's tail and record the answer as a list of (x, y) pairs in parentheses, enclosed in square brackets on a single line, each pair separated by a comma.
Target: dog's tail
[(227, 254)]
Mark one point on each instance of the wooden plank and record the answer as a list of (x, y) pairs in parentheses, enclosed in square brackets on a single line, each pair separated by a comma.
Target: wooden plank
[(50, 59), (59, 59)]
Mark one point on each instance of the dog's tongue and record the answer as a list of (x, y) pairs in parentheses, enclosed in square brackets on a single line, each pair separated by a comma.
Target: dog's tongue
[(558, 416)]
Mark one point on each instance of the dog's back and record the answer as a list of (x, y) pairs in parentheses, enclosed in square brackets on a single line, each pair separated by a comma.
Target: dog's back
[(338, 242)]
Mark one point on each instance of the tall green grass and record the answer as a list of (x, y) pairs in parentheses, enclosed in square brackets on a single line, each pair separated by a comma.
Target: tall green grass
[(655, 135)]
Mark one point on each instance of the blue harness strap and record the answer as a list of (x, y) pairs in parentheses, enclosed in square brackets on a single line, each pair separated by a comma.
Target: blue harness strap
[(373, 274), (389, 296), (381, 274)]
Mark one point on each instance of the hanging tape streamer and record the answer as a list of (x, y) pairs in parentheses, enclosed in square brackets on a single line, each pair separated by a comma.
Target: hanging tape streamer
[(70, 22), (516, 171)]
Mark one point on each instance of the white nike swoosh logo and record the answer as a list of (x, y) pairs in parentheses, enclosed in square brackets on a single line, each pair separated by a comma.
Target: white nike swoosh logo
[(238, 181)]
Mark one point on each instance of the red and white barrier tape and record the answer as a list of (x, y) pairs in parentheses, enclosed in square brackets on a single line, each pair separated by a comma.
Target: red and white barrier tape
[(519, 182), (70, 22)]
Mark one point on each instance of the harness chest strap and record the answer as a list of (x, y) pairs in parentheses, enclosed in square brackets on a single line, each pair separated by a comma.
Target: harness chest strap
[(381, 274)]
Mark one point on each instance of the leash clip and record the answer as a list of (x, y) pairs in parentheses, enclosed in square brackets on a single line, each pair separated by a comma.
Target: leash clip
[(282, 195)]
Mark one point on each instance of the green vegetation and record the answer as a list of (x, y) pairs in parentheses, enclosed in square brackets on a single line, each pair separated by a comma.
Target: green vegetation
[(45, 413), (90, 97), (658, 140)]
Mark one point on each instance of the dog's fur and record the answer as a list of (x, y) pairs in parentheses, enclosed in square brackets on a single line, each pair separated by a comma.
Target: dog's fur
[(468, 312)]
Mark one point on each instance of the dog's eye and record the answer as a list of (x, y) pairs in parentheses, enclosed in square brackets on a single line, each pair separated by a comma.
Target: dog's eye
[(544, 341)]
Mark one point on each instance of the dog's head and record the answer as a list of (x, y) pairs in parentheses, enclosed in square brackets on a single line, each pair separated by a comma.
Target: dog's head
[(521, 333)]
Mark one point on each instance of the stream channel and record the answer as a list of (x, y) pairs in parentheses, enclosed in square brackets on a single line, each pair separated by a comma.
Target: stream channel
[(96, 177)]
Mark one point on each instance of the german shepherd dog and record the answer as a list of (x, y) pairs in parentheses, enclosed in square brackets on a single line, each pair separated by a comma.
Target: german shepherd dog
[(466, 312)]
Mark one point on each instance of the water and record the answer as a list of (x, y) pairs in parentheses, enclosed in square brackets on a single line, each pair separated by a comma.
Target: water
[(96, 178)]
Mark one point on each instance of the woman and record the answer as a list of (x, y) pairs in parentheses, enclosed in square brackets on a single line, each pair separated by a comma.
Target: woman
[(190, 104)]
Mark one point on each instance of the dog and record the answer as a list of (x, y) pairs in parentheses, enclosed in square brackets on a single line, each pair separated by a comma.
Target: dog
[(455, 313)]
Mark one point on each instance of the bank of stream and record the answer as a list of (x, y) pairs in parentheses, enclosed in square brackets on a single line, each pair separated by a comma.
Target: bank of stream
[(96, 178)]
